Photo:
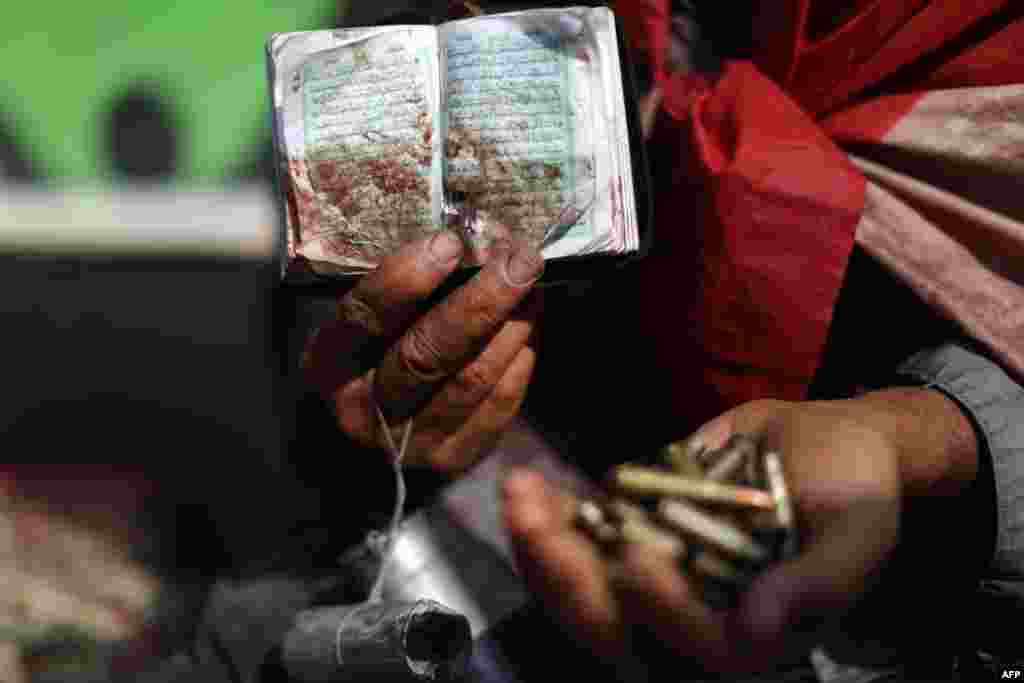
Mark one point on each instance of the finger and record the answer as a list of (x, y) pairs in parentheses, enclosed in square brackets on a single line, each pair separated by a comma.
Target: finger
[(655, 594), (357, 417), (463, 393), (749, 418), (791, 602), (713, 434), (379, 306), (560, 565), (453, 451), (453, 332), (386, 300)]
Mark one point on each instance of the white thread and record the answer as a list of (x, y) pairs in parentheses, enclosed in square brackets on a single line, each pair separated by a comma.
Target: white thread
[(397, 455)]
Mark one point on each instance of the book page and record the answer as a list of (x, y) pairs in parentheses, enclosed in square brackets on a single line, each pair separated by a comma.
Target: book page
[(359, 121), (615, 208), (519, 129)]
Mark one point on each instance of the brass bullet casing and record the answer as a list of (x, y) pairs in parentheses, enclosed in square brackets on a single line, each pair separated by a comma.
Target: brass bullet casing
[(589, 513), (753, 473), (689, 520), (777, 486), (736, 453), (646, 481), (783, 503), (591, 518), (723, 515), (685, 457), (623, 510), (651, 537)]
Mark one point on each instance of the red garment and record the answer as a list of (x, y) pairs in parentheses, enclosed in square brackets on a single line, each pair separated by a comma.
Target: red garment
[(764, 205)]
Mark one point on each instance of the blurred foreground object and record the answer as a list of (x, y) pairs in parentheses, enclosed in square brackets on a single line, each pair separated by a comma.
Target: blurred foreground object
[(60, 570), (136, 347), (142, 136), (196, 58), (456, 551), (394, 641), (146, 223)]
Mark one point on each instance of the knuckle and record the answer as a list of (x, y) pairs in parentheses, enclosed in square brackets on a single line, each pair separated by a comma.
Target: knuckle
[(483, 308), (768, 405), (453, 459), (507, 396), (477, 379), (355, 309), (761, 410), (420, 356)]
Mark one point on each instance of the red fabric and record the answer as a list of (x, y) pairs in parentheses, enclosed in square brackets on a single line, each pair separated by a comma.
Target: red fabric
[(878, 40), (760, 204), (869, 122), (997, 59), (776, 210), (646, 23)]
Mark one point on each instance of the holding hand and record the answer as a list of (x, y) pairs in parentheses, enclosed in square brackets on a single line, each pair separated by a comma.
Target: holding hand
[(851, 467), (459, 370)]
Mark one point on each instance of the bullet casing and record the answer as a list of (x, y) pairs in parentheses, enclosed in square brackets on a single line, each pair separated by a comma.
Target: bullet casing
[(723, 514), (753, 473), (646, 481), (727, 538), (780, 493), (684, 457), (730, 464), (624, 510), (653, 538), (592, 519), (735, 455)]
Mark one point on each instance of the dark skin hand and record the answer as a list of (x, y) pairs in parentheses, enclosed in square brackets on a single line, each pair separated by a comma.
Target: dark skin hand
[(459, 370), (852, 467)]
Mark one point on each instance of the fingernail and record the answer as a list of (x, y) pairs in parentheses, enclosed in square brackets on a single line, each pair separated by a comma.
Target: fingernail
[(445, 247), (526, 517), (516, 482), (523, 266)]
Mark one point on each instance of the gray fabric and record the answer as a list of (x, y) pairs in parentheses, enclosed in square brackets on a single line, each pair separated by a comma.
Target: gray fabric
[(996, 403)]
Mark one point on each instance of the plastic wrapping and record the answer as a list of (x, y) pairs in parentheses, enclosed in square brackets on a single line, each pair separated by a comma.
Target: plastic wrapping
[(393, 641)]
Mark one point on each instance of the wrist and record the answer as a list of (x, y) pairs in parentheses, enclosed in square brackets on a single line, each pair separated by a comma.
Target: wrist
[(931, 436)]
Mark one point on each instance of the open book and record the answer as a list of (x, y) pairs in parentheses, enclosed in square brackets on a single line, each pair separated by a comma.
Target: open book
[(500, 126)]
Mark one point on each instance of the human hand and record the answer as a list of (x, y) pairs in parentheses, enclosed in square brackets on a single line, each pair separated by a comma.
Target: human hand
[(848, 476), (459, 370)]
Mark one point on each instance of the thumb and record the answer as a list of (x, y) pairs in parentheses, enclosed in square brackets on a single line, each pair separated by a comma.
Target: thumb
[(750, 418), (789, 605)]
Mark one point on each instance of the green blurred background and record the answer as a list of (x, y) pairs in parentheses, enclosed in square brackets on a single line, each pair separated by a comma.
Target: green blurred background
[(68, 63)]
